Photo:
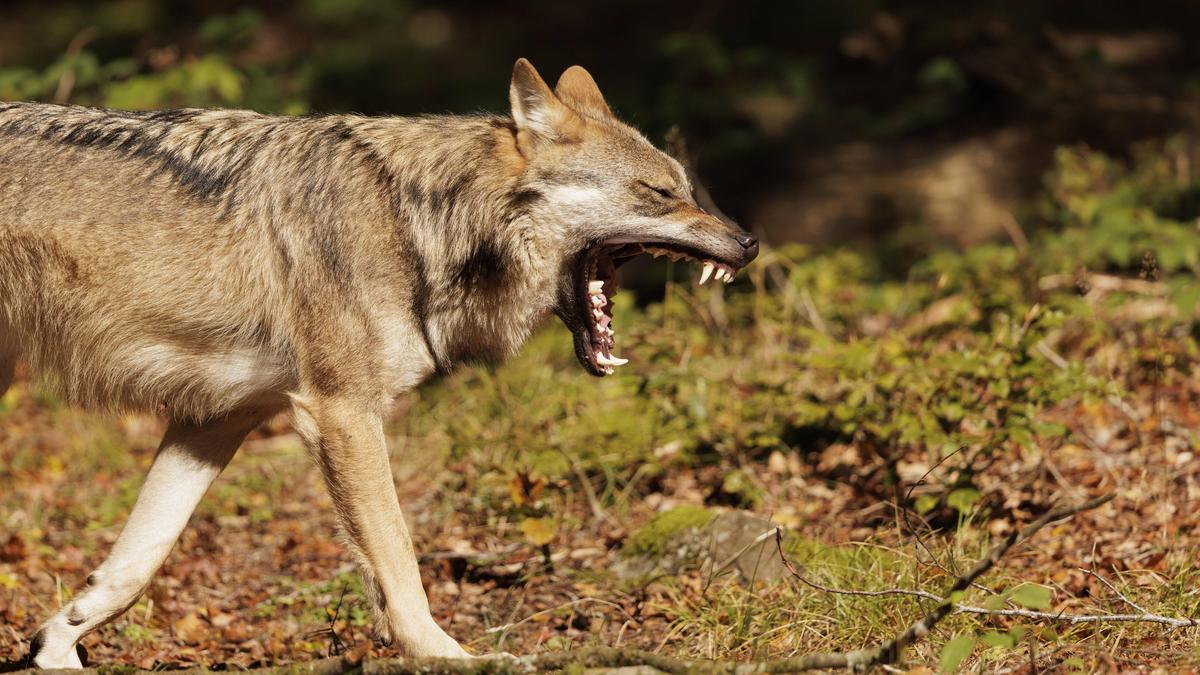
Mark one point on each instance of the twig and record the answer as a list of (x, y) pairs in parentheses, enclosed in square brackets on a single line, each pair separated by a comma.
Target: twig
[(589, 492), (1051, 355), (1013, 229), (677, 147), (551, 610), (66, 83), (1102, 283), (1112, 588), (810, 308), (776, 532), (477, 558), (904, 513)]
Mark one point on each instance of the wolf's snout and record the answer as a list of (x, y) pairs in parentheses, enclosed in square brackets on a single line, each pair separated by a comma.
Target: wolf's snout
[(749, 243)]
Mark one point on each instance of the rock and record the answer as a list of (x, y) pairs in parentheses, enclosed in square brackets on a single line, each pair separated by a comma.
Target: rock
[(724, 544)]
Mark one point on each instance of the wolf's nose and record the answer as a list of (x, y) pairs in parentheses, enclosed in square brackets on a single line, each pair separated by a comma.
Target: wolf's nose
[(749, 243)]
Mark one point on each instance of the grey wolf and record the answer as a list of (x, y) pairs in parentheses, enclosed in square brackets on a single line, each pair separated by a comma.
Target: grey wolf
[(219, 267)]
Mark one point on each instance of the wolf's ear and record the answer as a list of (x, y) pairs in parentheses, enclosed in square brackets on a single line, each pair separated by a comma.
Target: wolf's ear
[(539, 114), (577, 89)]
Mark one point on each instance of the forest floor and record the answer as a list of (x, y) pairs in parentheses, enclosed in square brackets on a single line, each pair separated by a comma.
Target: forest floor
[(259, 576)]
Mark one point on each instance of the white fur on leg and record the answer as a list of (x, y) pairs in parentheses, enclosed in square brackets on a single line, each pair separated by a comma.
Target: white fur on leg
[(188, 461)]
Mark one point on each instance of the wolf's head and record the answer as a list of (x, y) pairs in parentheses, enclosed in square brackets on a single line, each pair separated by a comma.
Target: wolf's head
[(613, 196)]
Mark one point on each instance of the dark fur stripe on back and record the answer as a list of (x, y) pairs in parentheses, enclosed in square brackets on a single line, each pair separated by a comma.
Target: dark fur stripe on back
[(139, 135)]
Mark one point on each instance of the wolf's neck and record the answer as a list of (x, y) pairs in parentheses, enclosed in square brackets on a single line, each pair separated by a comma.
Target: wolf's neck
[(457, 193)]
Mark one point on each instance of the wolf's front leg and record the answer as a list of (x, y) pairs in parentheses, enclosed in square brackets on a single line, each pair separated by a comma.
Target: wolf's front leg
[(190, 458), (346, 438)]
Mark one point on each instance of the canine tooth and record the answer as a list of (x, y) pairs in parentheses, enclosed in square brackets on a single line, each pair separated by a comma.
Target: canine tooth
[(595, 287), (706, 272), (610, 360)]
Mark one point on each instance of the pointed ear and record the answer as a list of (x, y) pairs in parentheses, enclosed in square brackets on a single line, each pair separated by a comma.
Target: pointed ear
[(539, 114), (577, 89)]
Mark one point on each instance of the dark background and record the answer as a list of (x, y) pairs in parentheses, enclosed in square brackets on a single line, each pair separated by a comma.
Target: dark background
[(907, 124)]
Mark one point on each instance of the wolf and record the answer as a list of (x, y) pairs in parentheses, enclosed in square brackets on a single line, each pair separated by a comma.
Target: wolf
[(219, 267)]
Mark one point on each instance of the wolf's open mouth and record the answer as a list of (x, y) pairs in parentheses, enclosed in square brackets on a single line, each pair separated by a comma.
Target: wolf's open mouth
[(597, 284)]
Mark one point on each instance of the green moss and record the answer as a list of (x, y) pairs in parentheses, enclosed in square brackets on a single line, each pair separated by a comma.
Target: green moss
[(838, 564), (652, 538)]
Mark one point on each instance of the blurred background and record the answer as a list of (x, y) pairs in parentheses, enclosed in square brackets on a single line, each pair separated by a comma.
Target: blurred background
[(914, 123)]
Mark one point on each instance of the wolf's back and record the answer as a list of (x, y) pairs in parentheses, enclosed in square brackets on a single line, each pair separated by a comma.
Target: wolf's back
[(130, 240)]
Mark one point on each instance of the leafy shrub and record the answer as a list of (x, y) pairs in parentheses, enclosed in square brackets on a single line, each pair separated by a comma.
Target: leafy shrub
[(965, 356)]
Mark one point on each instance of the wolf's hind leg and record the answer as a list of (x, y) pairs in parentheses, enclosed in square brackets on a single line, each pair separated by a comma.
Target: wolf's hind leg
[(189, 460)]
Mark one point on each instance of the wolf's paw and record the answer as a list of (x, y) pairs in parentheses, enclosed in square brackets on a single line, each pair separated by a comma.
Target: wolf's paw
[(54, 659)]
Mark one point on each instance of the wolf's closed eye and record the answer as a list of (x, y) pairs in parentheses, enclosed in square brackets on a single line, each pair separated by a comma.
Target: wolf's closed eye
[(663, 192)]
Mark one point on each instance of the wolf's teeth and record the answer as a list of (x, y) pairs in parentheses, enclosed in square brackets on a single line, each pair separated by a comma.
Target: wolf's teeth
[(598, 314), (706, 272), (595, 287), (608, 371), (599, 301), (609, 360)]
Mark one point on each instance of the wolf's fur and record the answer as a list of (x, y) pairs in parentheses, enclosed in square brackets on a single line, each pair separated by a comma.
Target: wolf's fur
[(222, 266)]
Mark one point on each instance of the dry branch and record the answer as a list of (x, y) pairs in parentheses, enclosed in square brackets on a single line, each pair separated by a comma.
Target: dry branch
[(1143, 616)]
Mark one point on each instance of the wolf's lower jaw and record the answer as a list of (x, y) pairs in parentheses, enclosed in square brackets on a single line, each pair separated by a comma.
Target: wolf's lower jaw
[(599, 306)]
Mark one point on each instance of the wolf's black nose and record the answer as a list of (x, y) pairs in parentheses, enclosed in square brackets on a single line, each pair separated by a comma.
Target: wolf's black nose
[(748, 242)]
